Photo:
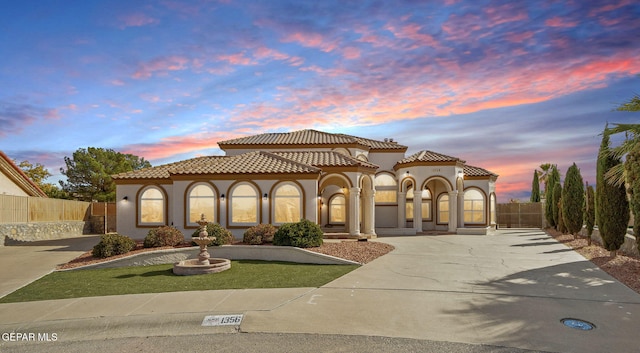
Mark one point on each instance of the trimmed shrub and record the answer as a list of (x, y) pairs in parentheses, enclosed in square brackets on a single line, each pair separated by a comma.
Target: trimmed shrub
[(260, 234), (163, 236), (223, 235), (303, 234), (112, 244)]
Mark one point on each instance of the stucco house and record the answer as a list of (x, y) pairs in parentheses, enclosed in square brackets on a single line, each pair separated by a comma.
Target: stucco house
[(351, 186), (13, 181)]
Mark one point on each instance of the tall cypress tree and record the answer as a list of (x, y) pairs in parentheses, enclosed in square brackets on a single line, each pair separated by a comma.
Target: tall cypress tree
[(573, 200), (553, 177), (612, 207), (535, 188), (589, 212)]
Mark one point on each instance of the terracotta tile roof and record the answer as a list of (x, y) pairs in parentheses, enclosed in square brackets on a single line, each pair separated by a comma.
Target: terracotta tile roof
[(429, 156), (325, 159), (258, 162), (309, 137), (470, 170)]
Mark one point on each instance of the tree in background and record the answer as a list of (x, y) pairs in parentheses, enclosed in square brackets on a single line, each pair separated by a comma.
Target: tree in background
[(555, 199), (562, 228), (589, 212), (612, 208), (543, 174), (552, 177), (633, 105), (573, 201), (89, 172), (38, 174), (535, 188)]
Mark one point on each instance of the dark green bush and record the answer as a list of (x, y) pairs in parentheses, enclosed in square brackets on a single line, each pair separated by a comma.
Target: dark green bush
[(260, 234), (303, 234), (112, 244), (163, 236), (223, 235)]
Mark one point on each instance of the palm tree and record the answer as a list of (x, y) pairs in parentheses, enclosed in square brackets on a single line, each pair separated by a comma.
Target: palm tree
[(616, 175)]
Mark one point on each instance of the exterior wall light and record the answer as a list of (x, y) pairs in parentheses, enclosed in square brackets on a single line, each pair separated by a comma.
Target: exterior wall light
[(126, 198), (264, 197), (222, 197)]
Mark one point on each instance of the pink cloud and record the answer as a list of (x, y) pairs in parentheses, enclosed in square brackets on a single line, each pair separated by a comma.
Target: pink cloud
[(560, 22), (311, 40), (351, 53), (610, 7), (173, 145), (236, 59), (520, 37), (412, 31), (161, 65), (135, 20)]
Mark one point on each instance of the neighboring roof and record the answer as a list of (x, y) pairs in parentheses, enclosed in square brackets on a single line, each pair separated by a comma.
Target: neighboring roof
[(306, 138), (472, 171), (325, 159), (259, 162), (13, 172), (429, 157)]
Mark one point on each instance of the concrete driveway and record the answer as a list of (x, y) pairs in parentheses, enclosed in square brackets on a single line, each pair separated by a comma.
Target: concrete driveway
[(509, 289)]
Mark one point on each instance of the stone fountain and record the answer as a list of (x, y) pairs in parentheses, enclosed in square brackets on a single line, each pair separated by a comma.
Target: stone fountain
[(204, 263)]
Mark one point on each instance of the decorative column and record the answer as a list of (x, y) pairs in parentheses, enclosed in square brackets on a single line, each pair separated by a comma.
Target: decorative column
[(354, 211), (369, 224), (453, 211), (402, 200), (417, 211)]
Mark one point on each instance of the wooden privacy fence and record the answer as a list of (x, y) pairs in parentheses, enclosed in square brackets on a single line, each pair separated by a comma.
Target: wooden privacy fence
[(24, 209), (520, 215)]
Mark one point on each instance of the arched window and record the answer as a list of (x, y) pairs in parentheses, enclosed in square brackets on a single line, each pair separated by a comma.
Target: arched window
[(244, 204), (426, 205), (443, 208), (408, 206), (201, 200), (152, 207), (337, 209), (386, 189), (473, 206), (287, 204)]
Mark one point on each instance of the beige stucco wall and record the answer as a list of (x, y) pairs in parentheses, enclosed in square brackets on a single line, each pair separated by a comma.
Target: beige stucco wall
[(126, 210), (8, 187)]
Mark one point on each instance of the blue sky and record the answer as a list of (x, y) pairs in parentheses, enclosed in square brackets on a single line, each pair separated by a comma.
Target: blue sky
[(503, 85)]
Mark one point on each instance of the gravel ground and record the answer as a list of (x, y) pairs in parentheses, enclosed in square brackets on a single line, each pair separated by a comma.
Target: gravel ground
[(358, 251), (624, 268)]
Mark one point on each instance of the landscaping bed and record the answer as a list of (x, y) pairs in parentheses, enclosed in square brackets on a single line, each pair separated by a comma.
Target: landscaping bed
[(358, 251)]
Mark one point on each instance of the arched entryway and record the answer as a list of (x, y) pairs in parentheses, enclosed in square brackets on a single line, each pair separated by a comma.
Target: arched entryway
[(444, 205)]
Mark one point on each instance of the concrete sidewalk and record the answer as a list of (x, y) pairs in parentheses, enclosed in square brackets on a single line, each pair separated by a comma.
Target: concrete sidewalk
[(509, 289)]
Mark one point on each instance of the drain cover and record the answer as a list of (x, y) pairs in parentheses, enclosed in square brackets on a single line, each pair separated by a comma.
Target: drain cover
[(578, 324)]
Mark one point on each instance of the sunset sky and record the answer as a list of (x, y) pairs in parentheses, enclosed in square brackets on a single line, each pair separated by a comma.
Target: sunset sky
[(505, 85)]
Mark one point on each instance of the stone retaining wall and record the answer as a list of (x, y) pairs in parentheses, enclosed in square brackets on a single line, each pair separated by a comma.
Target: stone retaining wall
[(629, 246), (42, 230)]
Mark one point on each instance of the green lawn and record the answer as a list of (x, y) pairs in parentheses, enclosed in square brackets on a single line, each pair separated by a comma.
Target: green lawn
[(160, 278)]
